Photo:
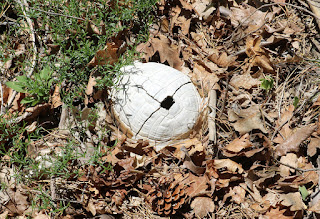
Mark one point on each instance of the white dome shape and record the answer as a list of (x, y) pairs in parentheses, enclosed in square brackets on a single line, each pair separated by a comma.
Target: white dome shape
[(155, 101)]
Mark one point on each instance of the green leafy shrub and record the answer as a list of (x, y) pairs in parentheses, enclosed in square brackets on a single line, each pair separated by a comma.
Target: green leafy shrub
[(38, 88)]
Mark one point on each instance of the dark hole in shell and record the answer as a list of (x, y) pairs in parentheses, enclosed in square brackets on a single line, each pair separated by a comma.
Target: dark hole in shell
[(167, 102)]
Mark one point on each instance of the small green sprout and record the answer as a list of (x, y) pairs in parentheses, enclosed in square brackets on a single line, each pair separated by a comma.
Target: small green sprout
[(304, 192), (266, 84), (295, 102)]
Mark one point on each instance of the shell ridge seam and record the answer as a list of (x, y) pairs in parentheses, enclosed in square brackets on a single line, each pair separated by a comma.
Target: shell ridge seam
[(181, 87), (140, 87), (147, 120)]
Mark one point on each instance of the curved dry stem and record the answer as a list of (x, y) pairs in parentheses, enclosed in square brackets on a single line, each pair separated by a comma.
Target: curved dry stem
[(25, 8)]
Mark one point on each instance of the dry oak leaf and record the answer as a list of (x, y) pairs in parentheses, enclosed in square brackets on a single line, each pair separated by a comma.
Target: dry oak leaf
[(237, 194), (113, 156), (106, 56), (205, 79), (184, 23), (32, 113), (290, 159), (119, 196), (211, 171), (139, 147), (230, 165), (239, 144), (277, 213), (261, 207), (174, 14), (18, 202), (247, 16), (241, 147), (260, 57), (189, 164), (53, 49), (91, 207), (307, 177), (186, 5), (315, 208), (312, 146), (56, 99), (196, 150), (16, 104), (204, 8), (292, 143), (197, 185), (246, 153), (167, 50), (202, 206), (245, 81), (179, 21), (199, 39), (6, 91), (247, 119), (222, 59), (285, 131), (128, 164), (164, 25), (194, 144), (293, 200)]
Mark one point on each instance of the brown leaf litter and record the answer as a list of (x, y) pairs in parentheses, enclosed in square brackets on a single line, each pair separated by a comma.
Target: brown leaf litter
[(266, 146)]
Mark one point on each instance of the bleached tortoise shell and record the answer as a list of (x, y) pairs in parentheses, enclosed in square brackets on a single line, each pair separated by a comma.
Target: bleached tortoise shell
[(154, 101)]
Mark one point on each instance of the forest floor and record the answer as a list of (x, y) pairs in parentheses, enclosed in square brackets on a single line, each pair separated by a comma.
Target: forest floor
[(253, 154)]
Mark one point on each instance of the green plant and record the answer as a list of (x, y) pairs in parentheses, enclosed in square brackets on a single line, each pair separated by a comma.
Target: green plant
[(43, 201), (68, 29), (65, 25), (295, 102), (266, 84), (304, 192), (38, 88)]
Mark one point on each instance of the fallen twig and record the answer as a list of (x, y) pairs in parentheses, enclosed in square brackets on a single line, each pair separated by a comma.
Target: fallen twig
[(212, 116), (296, 168), (25, 8)]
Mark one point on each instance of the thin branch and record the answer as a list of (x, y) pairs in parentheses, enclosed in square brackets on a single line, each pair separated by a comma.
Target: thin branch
[(58, 14), (8, 23), (5, 10), (212, 116), (25, 9), (296, 168)]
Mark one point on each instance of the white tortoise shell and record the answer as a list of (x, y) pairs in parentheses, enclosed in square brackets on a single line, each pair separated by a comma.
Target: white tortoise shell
[(156, 101)]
